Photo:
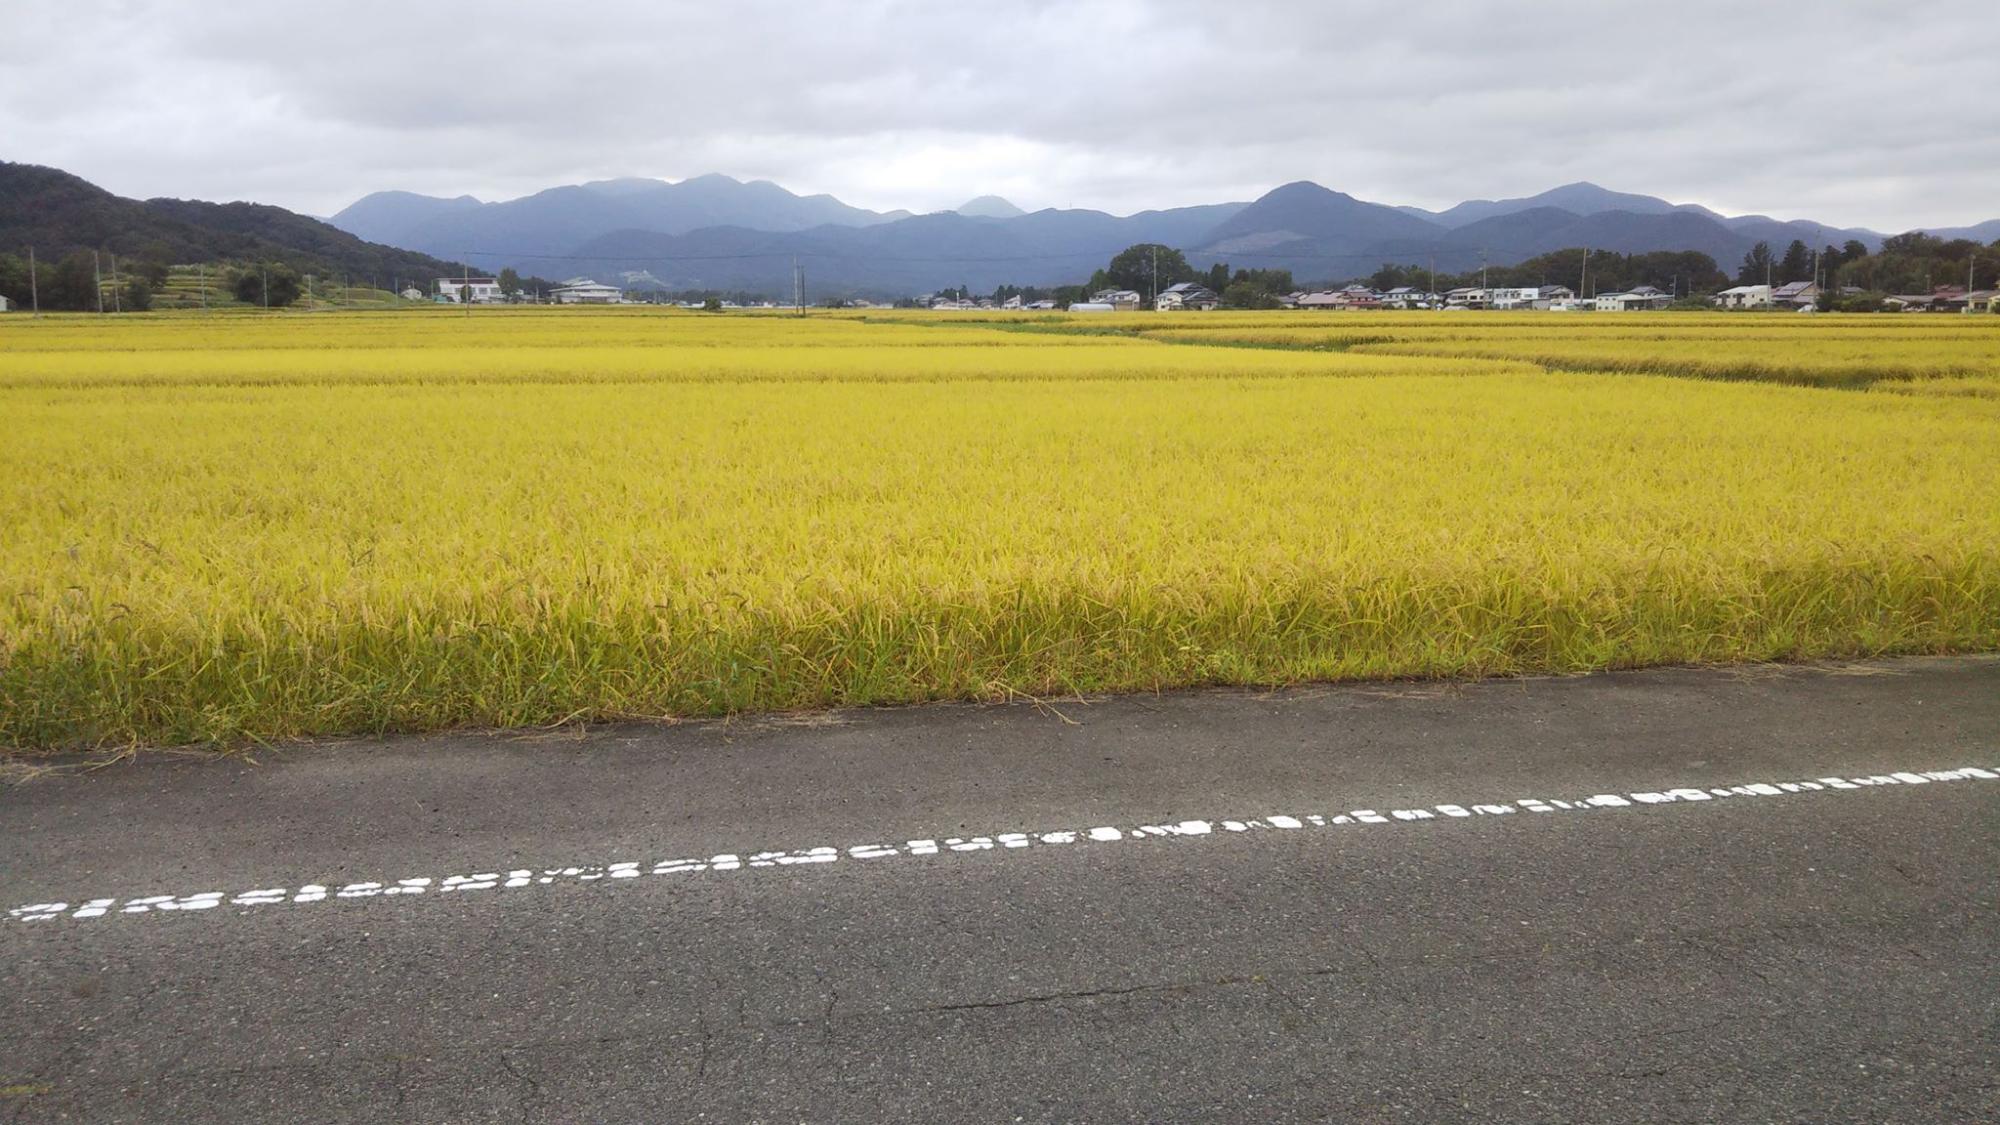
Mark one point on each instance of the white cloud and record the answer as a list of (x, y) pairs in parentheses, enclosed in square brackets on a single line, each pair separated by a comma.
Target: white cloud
[(1853, 115)]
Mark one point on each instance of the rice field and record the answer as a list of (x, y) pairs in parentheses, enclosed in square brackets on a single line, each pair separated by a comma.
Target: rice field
[(260, 527)]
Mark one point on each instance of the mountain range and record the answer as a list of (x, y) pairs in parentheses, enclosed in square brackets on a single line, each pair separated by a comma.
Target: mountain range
[(714, 232), (57, 213)]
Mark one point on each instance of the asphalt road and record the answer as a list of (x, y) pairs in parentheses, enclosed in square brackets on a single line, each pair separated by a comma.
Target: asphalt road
[(1713, 896)]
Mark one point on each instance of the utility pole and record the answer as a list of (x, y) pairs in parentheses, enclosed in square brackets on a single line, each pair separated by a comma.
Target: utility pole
[(201, 273), (34, 286), (117, 305), (465, 291), (1583, 279), (266, 272), (1156, 276), (1434, 272), (97, 274)]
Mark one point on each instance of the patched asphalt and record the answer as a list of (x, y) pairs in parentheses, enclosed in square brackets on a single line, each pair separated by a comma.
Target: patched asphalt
[(1822, 955)]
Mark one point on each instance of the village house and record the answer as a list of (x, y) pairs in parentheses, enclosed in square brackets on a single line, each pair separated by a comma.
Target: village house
[(1744, 297), (1795, 294), (469, 290), (1409, 297), (1641, 299), (1186, 295), (1121, 300), (1948, 298), (584, 291)]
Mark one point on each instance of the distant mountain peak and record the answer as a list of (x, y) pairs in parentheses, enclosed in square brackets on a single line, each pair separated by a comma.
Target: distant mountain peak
[(989, 207)]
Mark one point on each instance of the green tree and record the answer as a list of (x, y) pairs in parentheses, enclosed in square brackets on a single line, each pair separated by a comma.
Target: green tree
[(713, 304), (510, 282), (14, 280), (1271, 281), (1757, 265), (71, 284), (1134, 268), (1248, 294), (273, 285), (1796, 265), (138, 295), (151, 262)]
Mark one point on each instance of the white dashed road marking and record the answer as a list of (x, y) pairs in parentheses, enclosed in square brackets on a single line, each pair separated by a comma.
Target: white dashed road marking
[(729, 862)]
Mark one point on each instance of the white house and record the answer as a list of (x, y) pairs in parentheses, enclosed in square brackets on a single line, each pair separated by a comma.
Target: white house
[(584, 291), (1633, 300), (1571, 304), (1514, 297), (1123, 300), (1186, 295), (1466, 297), (1409, 297), (473, 290), (6, 305), (1013, 302), (1744, 297)]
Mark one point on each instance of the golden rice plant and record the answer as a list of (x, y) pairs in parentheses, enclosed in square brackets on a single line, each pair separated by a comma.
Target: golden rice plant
[(292, 525)]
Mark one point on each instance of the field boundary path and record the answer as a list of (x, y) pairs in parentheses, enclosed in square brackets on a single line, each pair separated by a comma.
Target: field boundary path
[(1674, 894)]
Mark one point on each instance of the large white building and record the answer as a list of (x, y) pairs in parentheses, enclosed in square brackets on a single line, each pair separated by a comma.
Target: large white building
[(1745, 297), (473, 290), (1644, 298), (584, 291)]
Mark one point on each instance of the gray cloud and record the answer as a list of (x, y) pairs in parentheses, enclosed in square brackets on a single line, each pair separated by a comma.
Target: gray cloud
[(1863, 114)]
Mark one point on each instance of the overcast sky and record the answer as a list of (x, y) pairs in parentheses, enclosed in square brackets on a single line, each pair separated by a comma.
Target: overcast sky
[(1882, 115)]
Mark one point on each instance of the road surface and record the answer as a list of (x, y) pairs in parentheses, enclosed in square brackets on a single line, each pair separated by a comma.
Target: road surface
[(1676, 895)]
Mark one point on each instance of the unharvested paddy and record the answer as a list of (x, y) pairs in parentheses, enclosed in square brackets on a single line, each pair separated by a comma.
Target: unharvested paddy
[(258, 527)]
